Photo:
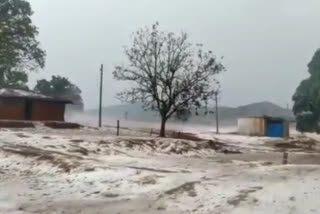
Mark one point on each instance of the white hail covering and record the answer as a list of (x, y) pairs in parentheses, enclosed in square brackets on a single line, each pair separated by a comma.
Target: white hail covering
[(91, 171)]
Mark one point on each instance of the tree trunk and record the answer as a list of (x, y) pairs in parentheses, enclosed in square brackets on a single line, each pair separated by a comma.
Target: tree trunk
[(163, 128)]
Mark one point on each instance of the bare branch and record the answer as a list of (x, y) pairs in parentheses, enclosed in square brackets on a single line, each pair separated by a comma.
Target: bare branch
[(169, 73)]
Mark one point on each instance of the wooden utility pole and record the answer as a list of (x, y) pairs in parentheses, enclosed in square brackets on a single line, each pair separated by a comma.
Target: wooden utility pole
[(285, 158), (217, 113), (100, 100), (118, 127)]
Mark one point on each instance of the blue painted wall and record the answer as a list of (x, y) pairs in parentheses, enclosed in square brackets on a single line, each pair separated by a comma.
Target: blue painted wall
[(275, 129)]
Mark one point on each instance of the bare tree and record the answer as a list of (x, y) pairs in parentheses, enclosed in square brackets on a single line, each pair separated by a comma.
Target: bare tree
[(168, 73)]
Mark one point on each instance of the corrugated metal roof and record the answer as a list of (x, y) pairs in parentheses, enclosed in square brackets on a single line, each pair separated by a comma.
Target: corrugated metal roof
[(20, 93)]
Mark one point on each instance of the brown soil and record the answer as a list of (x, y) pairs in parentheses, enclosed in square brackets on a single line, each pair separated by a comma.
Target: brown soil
[(62, 125), (243, 196), (16, 124), (186, 187), (302, 142)]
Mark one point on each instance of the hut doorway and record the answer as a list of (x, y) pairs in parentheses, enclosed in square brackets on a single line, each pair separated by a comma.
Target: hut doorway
[(275, 128), (28, 110)]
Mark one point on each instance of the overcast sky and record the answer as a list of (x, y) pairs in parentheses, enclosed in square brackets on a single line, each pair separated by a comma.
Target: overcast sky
[(266, 44)]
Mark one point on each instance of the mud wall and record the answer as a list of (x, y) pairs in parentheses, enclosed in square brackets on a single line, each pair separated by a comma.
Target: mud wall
[(12, 109), (47, 111), (252, 126)]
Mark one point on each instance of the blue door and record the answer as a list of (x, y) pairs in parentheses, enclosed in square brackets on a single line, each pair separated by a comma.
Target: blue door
[(274, 129)]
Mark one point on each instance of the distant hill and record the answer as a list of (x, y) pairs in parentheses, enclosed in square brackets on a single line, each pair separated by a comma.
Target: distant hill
[(227, 115), (264, 108)]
